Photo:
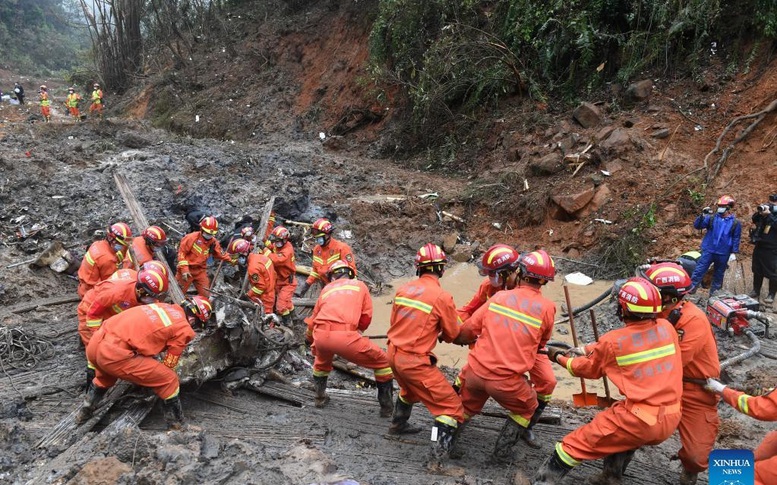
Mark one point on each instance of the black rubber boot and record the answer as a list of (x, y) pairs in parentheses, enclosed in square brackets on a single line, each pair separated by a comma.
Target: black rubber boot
[(552, 471), (688, 478), (399, 424), (89, 378), (386, 398), (529, 437), (446, 437), (93, 396), (287, 320), (457, 452), (173, 413), (511, 431), (319, 384), (613, 468)]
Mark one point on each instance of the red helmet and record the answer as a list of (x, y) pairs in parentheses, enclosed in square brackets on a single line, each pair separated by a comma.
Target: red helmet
[(429, 255), (209, 225), (280, 233), (119, 232), (538, 265), (200, 307), (247, 232), (340, 268), (498, 257), (670, 278), (155, 266), (153, 282), (239, 246), (322, 226), (154, 236), (726, 201), (640, 297)]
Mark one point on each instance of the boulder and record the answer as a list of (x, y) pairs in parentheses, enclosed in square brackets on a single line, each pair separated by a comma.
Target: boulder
[(619, 140), (587, 114), (449, 242), (640, 90), (462, 253), (605, 132), (572, 203), (600, 198), (101, 471), (548, 165)]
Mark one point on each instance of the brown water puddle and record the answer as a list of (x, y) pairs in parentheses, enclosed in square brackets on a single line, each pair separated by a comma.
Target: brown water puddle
[(462, 280)]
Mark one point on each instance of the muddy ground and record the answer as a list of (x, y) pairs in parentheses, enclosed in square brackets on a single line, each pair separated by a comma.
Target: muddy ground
[(57, 178)]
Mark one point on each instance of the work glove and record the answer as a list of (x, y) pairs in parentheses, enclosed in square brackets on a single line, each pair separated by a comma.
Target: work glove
[(579, 351), (554, 352), (171, 360), (301, 288), (706, 210), (186, 276), (732, 257), (714, 385)]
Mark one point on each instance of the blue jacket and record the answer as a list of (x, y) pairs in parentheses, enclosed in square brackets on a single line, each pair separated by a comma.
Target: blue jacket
[(723, 233)]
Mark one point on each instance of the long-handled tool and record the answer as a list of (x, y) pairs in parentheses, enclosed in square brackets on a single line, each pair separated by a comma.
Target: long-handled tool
[(583, 399), (607, 401)]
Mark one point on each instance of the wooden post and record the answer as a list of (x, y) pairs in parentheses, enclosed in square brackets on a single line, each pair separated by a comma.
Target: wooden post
[(260, 244)]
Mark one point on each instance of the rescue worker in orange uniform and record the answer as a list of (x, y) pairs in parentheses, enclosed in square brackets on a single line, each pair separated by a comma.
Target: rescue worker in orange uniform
[(143, 246), (126, 345), (261, 274), (125, 289), (97, 101), (498, 265), (193, 255), (344, 310), (643, 360), (105, 257), (422, 312), (325, 253), (45, 103), (509, 330), (72, 101), (282, 257), (699, 351), (763, 408)]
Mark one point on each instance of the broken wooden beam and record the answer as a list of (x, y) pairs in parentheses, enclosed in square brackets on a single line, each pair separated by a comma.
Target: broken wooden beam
[(260, 240)]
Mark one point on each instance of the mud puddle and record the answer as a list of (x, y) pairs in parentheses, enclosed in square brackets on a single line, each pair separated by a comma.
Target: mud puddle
[(462, 280)]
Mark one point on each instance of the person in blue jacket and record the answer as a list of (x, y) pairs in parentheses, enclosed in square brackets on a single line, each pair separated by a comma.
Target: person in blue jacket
[(720, 244)]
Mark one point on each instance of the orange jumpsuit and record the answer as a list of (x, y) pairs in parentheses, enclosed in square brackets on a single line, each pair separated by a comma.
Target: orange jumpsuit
[(422, 310), (45, 105), (643, 360), (97, 103), (261, 281), (700, 422), (283, 261), (193, 255), (99, 263), (342, 312), (72, 102), (324, 257), (108, 298), (143, 253), (510, 327), (125, 346), (541, 375), (765, 409)]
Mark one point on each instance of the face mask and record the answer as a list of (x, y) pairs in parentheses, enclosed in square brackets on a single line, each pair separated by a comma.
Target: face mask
[(117, 247), (278, 244), (320, 241), (721, 210), (774, 209), (147, 300), (242, 260), (207, 236), (495, 280)]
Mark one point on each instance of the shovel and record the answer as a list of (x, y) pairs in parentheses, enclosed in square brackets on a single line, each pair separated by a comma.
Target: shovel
[(607, 401), (583, 399)]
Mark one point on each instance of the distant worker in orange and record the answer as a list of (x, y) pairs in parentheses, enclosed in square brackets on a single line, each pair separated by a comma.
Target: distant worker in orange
[(498, 265), (126, 345), (122, 291), (97, 101), (509, 330), (700, 422), (261, 274), (45, 103), (105, 257), (325, 253), (643, 360), (152, 237), (344, 310), (422, 313), (72, 102), (763, 408), (282, 257), (193, 255)]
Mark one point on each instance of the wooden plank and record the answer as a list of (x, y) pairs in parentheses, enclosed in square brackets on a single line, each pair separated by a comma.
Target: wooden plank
[(31, 305), (260, 244)]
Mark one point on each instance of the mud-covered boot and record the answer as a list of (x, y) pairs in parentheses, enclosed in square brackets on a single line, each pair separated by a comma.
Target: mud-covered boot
[(319, 385), (529, 437), (287, 320), (173, 413), (93, 396), (457, 451), (552, 471), (386, 398), (688, 478), (511, 431), (613, 467), (444, 437), (399, 424), (89, 378)]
